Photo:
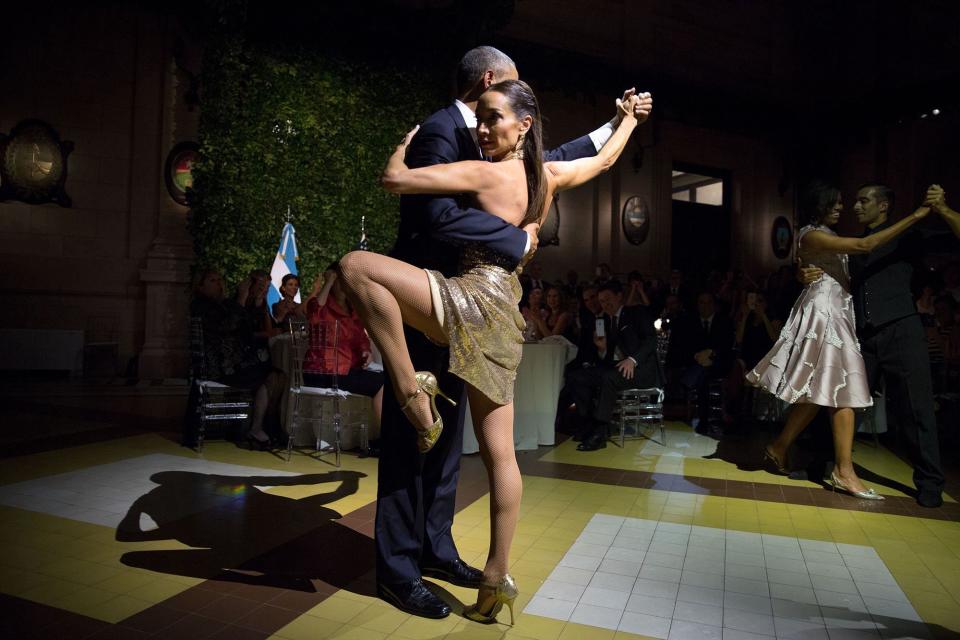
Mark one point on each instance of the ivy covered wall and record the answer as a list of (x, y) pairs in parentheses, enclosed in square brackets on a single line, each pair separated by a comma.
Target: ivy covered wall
[(302, 128)]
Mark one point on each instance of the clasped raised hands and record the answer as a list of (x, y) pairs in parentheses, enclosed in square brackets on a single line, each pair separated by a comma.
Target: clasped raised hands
[(638, 105)]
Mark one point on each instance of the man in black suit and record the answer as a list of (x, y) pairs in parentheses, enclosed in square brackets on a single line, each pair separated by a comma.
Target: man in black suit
[(416, 493), (701, 350), (627, 357), (892, 339)]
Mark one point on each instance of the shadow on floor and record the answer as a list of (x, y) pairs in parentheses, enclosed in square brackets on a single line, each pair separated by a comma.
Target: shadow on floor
[(240, 533)]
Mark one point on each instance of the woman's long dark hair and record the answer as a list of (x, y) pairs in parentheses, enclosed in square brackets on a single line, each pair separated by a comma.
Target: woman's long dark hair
[(816, 200), (524, 103)]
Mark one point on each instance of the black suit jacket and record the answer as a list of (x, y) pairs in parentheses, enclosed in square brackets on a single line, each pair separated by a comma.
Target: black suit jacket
[(433, 228), (689, 337), (881, 279), (636, 338)]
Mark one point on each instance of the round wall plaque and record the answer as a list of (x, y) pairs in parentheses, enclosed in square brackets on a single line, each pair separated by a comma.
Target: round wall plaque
[(635, 219), (33, 164)]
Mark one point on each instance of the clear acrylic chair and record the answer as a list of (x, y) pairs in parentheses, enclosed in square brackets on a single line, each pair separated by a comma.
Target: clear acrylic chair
[(210, 401), (638, 408), (318, 406)]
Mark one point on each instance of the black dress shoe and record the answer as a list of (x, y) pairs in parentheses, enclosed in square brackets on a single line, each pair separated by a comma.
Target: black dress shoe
[(592, 444), (456, 572), (413, 597), (930, 499)]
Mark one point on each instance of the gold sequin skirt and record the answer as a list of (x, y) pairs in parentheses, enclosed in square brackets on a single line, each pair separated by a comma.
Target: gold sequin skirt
[(479, 313)]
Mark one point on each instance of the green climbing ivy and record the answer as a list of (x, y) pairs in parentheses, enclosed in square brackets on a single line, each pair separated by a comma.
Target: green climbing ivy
[(301, 128)]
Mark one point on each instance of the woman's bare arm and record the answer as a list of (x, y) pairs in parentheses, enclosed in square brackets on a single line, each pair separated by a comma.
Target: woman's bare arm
[(567, 175), (821, 241), (468, 176)]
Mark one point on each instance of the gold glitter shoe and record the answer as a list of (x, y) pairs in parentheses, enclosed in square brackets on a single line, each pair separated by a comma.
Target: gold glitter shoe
[(427, 383), (505, 592)]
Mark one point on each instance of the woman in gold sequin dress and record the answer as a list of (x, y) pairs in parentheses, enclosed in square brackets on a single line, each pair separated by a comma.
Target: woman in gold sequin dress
[(476, 312)]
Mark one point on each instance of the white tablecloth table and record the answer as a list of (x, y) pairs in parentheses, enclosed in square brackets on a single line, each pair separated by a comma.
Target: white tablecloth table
[(536, 391)]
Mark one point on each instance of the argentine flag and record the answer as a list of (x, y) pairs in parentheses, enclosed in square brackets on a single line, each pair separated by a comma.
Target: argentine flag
[(284, 263)]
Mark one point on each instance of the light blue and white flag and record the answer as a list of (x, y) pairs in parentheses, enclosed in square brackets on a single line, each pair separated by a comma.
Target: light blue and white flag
[(284, 263)]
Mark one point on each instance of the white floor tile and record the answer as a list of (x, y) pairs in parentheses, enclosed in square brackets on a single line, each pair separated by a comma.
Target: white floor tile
[(828, 570), (634, 544), (671, 537), (736, 634), (589, 550), (849, 550), (817, 545), (604, 539), (794, 578), (871, 563), (656, 588), (666, 574), (550, 608), (871, 575), (746, 602), (790, 629), (605, 598), (612, 581), (840, 600), (796, 610), (747, 621), (661, 559), (705, 542), (744, 585), (572, 576), (627, 555), (706, 553), (803, 595), (580, 562), (702, 613), (561, 591), (823, 557), (786, 564), (792, 553), (884, 592), (840, 585), (839, 618), (700, 595), (668, 548), (645, 625), (891, 610), (596, 616), (651, 606), (704, 565), (753, 559), (700, 579), (682, 630), (750, 572), (620, 567)]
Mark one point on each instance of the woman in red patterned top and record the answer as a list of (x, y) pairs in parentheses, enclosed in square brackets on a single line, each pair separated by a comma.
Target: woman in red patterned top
[(353, 354)]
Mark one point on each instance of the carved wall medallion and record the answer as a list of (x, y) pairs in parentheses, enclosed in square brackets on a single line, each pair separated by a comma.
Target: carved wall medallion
[(33, 164)]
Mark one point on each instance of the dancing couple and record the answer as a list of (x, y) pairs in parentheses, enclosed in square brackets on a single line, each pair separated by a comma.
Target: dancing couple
[(452, 281), (817, 361)]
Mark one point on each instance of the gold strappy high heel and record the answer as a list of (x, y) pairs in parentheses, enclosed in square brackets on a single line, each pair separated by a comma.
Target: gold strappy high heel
[(837, 485), (485, 611), (427, 383)]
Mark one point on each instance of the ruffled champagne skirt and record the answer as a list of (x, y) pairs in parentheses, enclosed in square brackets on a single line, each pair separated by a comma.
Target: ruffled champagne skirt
[(817, 357), (479, 313)]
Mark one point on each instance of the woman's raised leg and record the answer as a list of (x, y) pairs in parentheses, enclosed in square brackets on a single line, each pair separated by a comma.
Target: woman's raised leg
[(493, 424), (387, 293)]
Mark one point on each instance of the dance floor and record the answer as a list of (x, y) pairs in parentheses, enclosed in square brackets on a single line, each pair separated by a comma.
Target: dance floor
[(112, 530)]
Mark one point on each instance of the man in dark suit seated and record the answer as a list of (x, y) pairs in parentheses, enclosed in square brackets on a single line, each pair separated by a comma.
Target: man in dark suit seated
[(701, 350), (627, 359)]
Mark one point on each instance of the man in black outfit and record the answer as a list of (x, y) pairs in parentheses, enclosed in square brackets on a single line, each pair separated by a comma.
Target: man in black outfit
[(701, 350), (416, 493), (892, 339), (627, 357)]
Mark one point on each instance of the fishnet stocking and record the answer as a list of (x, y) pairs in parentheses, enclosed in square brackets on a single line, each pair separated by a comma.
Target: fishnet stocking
[(493, 424), (387, 293)]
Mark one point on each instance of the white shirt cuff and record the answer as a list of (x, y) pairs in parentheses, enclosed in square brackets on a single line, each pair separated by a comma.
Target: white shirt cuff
[(526, 247), (601, 135)]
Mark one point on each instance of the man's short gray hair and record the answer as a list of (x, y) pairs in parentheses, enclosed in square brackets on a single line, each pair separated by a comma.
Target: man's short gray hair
[(476, 62)]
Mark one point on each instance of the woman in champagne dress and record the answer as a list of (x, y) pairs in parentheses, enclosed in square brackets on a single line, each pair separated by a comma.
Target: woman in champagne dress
[(476, 312), (816, 362)]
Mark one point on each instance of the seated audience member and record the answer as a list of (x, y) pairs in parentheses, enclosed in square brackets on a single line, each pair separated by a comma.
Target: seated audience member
[(677, 287), (230, 351), (252, 296), (926, 304), (287, 308), (571, 285), (701, 350), (557, 320), (756, 331), (636, 290), (353, 353), (584, 325), (535, 271), (627, 359), (532, 309), (603, 274)]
